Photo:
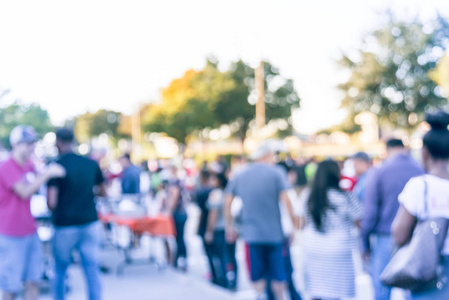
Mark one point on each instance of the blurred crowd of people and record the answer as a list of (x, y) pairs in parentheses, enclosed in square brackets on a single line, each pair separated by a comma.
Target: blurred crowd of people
[(262, 199)]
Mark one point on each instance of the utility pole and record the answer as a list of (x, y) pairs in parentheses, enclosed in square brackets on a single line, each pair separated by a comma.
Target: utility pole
[(260, 90)]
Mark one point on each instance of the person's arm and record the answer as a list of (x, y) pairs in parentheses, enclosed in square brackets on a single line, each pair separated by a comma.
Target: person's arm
[(102, 190), (211, 221), (231, 234), (52, 197), (283, 188), (303, 198), (355, 209), (214, 204), (100, 184), (227, 210), (24, 189), (137, 182), (403, 225), (288, 204), (412, 203)]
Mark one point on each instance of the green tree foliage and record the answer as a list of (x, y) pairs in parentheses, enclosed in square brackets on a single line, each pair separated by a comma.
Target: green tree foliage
[(441, 74), (29, 114), (211, 98), (186, 104), (280, 97), (390, 75), (90, 125)]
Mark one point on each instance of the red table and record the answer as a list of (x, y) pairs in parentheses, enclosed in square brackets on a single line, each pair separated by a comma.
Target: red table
[(160, 225)]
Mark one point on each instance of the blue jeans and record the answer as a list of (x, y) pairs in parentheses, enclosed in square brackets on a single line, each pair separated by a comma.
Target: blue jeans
[(381, 250), (222, 260), (433, 292), (180, 219), (217, 252), (85, 239)]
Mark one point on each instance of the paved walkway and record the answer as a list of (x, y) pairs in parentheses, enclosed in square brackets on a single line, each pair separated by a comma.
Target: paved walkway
[(148, 282)]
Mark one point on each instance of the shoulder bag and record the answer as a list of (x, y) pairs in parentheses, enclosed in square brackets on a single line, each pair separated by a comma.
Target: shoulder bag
[(417, 265)]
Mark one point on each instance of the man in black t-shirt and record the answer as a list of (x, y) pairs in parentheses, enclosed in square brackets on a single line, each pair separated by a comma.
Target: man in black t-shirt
[(71, 199)]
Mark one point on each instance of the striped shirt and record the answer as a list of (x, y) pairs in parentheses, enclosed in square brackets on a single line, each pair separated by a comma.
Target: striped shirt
[(329, 269)]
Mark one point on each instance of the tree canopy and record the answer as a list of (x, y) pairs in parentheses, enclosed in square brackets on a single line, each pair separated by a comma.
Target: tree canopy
[(209, 98), (390, 75), (89, 125), (441, 74), (29, 114)]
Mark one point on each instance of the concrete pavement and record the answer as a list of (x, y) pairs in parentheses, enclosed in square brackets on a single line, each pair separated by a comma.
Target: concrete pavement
[(148, 282)]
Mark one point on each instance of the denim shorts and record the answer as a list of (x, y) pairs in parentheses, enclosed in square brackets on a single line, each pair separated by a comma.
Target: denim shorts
[(21, 260), (266, 261)]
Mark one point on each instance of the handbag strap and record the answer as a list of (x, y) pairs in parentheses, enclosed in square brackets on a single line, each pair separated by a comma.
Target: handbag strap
[(426, 215), (426, 196)]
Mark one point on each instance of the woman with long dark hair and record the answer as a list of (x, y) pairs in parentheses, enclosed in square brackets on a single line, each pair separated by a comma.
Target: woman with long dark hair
[(329, 215), (427, 196)]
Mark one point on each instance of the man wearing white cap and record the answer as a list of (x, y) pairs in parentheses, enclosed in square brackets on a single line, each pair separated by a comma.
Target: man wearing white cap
[(261, 187), (20, 248)]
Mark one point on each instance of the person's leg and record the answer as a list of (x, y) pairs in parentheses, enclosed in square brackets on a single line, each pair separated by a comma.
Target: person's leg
[(434, 292), (294, 295), (260, 286), (34, 267), (220, 246), (170, 252), (270, 294), (31, 291), (382, 247), (276, 270), (8, 296), (89, 252), (278, 288), (12, 268), (180, 221), (231, 266), (209, 249), (64, 241), (257, 264)]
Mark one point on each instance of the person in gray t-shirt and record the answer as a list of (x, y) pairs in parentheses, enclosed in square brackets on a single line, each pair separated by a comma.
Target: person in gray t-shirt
[(261, 187)]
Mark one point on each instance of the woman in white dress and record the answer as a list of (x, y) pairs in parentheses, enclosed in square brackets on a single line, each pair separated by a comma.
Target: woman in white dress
[(329, 215)]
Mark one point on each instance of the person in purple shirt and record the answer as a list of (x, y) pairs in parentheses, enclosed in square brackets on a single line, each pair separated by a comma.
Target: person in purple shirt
[(380, 204)]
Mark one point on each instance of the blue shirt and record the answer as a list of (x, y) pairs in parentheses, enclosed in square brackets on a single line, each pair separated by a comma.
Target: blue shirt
[(359, 187), (259, 187), (131, 180), (380, 197)]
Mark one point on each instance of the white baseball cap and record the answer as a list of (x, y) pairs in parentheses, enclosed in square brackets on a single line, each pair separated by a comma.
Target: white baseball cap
[(263, 150), (22, 134)]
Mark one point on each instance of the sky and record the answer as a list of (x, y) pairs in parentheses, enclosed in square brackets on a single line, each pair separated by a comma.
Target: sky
[(78, 56)]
